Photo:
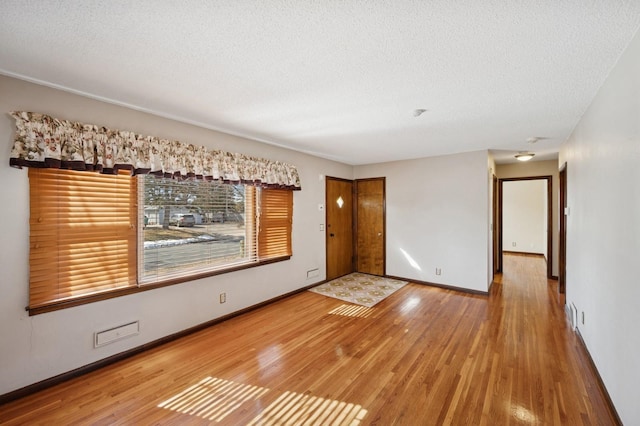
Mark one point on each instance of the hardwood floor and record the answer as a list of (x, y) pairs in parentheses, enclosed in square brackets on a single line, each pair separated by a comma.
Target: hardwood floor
[(423, 356)]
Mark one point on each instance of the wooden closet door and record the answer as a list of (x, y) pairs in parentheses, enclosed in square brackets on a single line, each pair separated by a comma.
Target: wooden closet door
[(370, 226)]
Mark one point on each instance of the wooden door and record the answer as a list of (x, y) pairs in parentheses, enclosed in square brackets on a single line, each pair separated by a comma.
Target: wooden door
[(495, 228), (339, 231), (370, 226), (562, 239)]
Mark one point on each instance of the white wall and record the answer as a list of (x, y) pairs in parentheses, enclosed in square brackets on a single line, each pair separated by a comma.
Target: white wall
[(36, 348), (524, 216), (437, 217), (603, 230), (539, 168)]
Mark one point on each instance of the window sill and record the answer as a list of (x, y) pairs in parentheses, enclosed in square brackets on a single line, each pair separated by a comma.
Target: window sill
[(69, 303)]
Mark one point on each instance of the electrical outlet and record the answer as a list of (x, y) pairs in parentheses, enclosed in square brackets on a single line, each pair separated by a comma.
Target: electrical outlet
[(438, 271), (513, 244), (223, 297), (582, 318)]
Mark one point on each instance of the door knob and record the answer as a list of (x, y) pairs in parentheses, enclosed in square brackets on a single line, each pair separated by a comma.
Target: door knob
[(379, 234), (331, 235)]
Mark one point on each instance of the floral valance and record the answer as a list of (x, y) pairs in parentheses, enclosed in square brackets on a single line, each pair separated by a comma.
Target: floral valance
[(44, 141)]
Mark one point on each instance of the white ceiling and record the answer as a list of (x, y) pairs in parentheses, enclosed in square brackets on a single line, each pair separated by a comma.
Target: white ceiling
[(336, 78)]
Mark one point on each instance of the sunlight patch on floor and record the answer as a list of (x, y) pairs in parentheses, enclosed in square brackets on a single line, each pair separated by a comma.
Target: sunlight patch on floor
[(299, 409), (212, 399), (352, 311)]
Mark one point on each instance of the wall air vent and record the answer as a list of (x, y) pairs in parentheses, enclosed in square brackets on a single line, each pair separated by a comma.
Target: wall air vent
[(104, 337), (573, 316)]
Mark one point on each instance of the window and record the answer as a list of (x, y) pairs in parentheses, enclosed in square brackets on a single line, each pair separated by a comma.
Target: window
[(96, 236), (193, 227)]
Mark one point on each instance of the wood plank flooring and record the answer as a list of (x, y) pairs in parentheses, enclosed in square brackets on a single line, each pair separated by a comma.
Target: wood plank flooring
[(424, 356)]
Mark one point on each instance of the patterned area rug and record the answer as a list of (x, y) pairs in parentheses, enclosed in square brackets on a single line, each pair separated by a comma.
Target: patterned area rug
[(360, 289)]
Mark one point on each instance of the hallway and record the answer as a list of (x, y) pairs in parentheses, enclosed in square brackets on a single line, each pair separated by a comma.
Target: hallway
[(542, 361)]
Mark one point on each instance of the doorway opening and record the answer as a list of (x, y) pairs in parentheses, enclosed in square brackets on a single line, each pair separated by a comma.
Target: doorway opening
[(526, 231)]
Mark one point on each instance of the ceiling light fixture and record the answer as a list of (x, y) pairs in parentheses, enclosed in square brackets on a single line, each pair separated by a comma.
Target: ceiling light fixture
[(524, 156), (418, 112)]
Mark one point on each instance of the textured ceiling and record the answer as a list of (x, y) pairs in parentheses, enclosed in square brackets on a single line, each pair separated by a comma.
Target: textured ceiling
[(339, 79)]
